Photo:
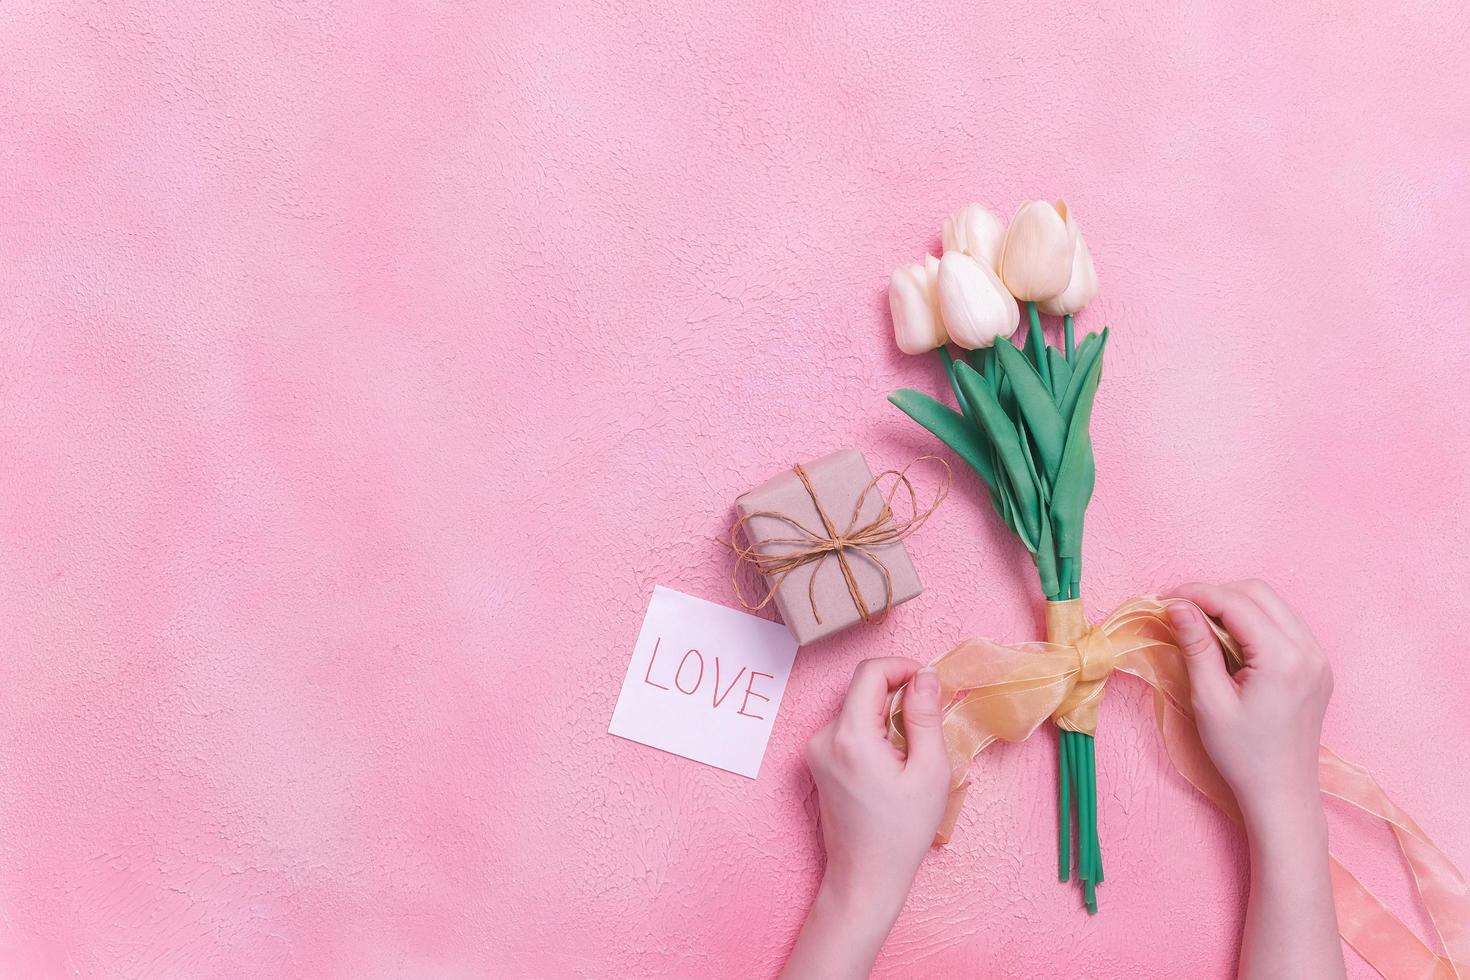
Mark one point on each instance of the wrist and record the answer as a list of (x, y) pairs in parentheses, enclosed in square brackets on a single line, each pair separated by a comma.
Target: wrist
[(863, 908), (842, 935), (1284, 824)]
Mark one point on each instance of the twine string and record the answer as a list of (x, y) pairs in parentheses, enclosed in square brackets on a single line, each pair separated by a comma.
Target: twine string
[(776, 558)]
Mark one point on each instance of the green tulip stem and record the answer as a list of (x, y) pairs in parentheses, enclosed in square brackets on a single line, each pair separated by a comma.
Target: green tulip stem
[(1089, 775), (1036, 342), (948, 359), (1077, 786), (1097, 871), (1071, 348), (1084, 860), (1064, 807)]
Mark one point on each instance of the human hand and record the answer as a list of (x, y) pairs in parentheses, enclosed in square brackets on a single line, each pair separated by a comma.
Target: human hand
[(879, 813), (1261, 727), (880, 810)]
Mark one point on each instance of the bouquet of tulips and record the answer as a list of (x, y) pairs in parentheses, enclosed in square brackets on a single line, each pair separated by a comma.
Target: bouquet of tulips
[(1023, 416)]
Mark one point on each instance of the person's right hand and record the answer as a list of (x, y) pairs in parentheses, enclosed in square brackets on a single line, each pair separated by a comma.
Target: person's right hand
[(1261, 727)]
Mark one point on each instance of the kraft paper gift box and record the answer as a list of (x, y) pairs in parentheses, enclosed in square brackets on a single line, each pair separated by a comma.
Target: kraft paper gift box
[(838, 480)]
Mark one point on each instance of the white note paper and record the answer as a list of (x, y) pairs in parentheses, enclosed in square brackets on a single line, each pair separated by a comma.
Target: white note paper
[(705, 682)]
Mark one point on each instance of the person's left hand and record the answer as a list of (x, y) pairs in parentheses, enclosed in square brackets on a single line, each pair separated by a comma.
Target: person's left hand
[(879, 810)]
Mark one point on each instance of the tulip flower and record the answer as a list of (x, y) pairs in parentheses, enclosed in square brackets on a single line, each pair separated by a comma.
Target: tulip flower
[(976, 232), (913, 299), (975, 306), (1082, 287), (1036, 260)]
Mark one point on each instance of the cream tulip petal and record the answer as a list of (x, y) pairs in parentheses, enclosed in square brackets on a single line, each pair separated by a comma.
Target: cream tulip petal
[(949, 235), (1036, 261), (974, 305), (1081, 288), (912, 299), (976, 231)]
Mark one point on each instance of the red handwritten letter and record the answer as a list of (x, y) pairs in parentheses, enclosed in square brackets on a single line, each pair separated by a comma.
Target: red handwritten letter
[(649, 671), (718, 697), (680, 672), (752, 694)]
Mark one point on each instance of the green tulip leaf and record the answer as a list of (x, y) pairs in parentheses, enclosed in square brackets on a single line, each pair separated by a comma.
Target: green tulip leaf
[(1008, 449), (1028, 449), (1046, 562), (1006, 396), (1061, 373), (952, 428), (976, 360), (949, 373), (1038, 407), (1073, 488), (1012, 513), (1089, 352)]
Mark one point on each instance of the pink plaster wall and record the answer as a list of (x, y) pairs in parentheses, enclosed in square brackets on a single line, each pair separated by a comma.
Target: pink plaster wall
[(364, 366)]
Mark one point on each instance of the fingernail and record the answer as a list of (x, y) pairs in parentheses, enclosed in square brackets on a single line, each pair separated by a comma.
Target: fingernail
[(926, 682), (1180, 615)]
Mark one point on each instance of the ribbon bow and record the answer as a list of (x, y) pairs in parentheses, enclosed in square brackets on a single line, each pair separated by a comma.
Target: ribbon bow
[(995, 691)]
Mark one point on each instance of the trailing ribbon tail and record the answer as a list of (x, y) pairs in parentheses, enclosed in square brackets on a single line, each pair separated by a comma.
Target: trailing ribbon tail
[(995, 691)]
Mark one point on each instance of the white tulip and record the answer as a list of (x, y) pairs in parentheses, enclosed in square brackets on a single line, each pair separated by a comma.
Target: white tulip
[(976, 232), (1083, 285), (913, 299), (1036, 261), (976, 308)]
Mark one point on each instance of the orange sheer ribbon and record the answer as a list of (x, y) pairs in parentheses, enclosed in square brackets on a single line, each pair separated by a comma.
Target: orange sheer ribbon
[(994, 691)]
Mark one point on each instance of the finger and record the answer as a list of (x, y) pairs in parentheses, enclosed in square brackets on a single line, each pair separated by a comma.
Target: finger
[(1245, 620), (922, 719), (867, 696), (1209, 681), (1263, 595)]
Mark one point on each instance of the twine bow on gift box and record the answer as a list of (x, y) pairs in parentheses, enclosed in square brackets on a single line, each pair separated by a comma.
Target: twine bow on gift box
[(997, 691), (791, 553)]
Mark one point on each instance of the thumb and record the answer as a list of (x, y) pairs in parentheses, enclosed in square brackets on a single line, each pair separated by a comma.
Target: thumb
[(1208, 679), (922, 719)]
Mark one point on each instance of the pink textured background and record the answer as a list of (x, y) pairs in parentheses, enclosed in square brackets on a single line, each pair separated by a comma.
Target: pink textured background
[(363, 368)]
